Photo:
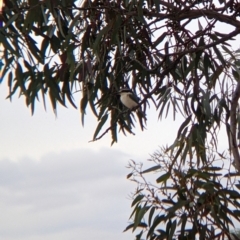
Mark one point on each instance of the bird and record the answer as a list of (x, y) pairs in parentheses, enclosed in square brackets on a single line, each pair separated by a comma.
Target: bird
[(131, 101), (128, 98)]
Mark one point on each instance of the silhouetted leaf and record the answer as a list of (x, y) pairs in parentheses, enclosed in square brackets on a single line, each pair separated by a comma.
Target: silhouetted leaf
[(100, 125), (151, 169), (83, 105), (137, 199), (163, 178)]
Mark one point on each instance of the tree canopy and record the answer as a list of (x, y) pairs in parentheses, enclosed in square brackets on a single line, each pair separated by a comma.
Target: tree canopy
[(176, 55), (59, 47)]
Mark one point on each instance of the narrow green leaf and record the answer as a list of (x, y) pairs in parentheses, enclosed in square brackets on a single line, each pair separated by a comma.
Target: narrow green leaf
[(83, 105), (199, 53), (113, 123), (137, 199), (129, 175), (34, 50), (138, 236), (140, 10), (163, 178), (151, 169), (203, 232), (134, 210), (85, 39), (55, 43), (50, 31), (164, 101), (168, 106), (184, 221), (168, 227), (100, 35), (10, 81), (208, 169), (237, 62), (53, 101), (10, 21), (60, 21), (160, 39), (74, 22), (8, 46), (228, 51), (100, 125), (199, 26), (157, 220), (141, 224), (184, 124), (20, 77), (232, 193), (219, 55), (213, 37), (206, 104), (44, 15), (235, 75), (236, 212), (151, 215), (139, 215), (231, 174), (206, 64), (179, 204), (115, 33), (44, 46), (93, 105), (172, 229)]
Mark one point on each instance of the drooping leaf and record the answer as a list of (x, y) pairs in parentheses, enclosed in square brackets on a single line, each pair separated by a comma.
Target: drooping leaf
[(100, 125), (137, 199), (83, 105), (151, 169), (163, 178), (139, 215)]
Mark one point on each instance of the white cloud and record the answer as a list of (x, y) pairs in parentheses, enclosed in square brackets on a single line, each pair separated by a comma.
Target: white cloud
[(67, 194), (73, 195)]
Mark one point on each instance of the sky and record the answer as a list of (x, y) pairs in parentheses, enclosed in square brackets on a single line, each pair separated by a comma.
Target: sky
[(57, 185)]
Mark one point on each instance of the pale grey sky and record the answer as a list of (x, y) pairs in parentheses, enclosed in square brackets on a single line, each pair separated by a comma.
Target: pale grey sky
[(69, 195), (55, 185)]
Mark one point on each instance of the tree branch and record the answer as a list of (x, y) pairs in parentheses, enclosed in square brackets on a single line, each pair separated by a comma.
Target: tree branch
[(192, 14), (233, 127)]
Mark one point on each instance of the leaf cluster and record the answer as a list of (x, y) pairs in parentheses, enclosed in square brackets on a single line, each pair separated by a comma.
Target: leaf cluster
[(60, 49), (174, 59), (184, 203)]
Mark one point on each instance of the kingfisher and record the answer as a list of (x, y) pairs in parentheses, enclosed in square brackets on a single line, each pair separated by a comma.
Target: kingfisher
[(131, 101)]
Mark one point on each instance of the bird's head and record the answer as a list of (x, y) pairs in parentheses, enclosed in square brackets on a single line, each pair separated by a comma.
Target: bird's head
[(124, 91)]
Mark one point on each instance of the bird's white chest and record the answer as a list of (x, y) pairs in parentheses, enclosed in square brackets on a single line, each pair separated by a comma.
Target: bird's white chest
[(128, 101)]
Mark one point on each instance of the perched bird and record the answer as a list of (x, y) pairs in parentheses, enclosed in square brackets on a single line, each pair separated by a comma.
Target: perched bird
[(130, 100)]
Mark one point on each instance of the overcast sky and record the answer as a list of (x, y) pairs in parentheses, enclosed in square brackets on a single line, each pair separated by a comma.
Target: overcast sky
[(56, 185)]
